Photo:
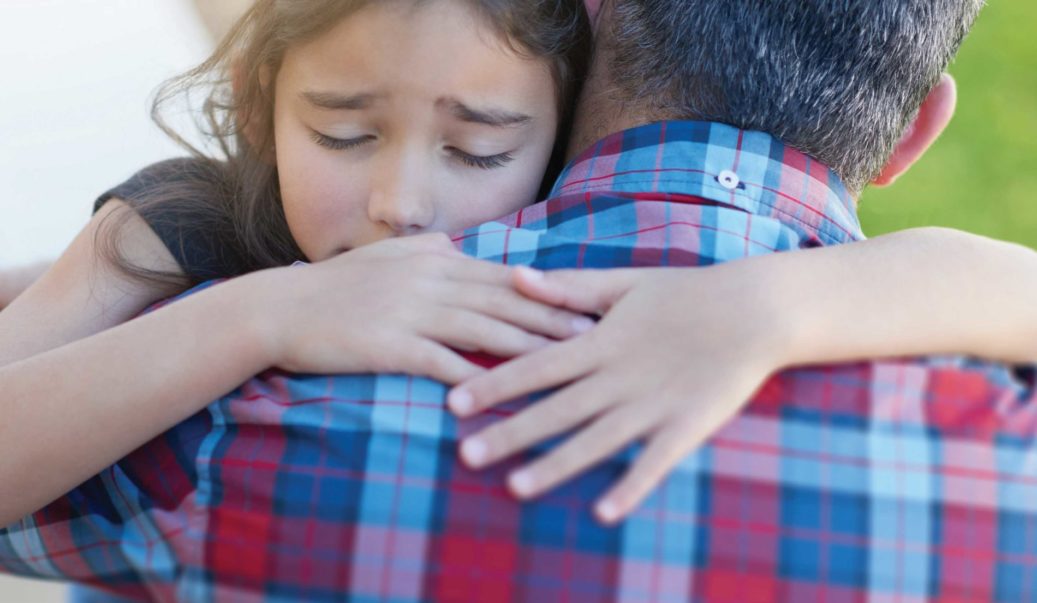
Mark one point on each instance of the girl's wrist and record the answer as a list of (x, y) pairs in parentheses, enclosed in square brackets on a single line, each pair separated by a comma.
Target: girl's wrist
[(777, 319), (264, 304)]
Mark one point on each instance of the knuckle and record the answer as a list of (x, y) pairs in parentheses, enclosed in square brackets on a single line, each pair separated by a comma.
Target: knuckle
[(440, 239), (536, 342), (513, 338), (560, 321), (426, 262), (421, 357), (498, 298), (386, 363)]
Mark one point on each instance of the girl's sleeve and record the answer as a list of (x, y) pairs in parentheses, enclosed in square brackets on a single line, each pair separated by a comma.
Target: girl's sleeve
[(178, 200)]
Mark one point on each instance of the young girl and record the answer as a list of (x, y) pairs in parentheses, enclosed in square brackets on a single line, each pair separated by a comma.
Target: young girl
[(353, 122)]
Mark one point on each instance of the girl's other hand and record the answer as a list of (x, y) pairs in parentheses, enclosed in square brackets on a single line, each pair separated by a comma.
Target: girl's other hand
[(676, 355), (406, 305)]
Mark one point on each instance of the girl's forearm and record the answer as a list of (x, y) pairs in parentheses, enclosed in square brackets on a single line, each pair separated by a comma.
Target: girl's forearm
[(918, 292), (72, 411), (13, 281)]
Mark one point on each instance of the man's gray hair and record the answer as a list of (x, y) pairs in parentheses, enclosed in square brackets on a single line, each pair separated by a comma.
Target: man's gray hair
[(837, 79)]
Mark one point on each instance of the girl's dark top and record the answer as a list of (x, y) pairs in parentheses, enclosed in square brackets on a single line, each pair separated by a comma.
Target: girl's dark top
[(204, 248)]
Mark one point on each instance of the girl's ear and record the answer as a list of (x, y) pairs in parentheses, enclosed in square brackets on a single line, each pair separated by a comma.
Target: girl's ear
[(933, 116)]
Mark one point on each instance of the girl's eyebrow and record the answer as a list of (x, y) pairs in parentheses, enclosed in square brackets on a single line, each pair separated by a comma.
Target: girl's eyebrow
[(498, 118), (338, 102), (488, 116)]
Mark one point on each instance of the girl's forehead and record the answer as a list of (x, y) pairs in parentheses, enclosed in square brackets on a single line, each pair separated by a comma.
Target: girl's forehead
[(390, 49)]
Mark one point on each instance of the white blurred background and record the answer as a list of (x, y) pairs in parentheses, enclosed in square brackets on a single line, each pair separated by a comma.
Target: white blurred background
[(76, 78)]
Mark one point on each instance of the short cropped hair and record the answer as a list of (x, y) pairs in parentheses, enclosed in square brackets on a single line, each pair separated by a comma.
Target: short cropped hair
[(838, 79)]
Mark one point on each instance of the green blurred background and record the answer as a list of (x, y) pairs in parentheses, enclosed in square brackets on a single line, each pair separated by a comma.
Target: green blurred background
[(981, 175)]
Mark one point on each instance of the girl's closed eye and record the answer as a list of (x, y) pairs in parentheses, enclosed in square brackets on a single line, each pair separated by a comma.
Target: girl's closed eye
[(340, 144), (484, 162)]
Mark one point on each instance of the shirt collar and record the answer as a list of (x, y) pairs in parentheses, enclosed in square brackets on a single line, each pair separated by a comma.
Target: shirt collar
[(751, 171)]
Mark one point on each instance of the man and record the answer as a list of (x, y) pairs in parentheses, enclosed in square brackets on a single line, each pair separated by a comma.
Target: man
[(885, 480)]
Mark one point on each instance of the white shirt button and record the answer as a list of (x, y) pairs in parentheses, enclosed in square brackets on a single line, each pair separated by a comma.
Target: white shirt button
[(728, 180)]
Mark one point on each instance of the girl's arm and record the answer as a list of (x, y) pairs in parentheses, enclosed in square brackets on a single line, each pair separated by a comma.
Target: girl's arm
[(78, 393), (82, 387), (916, 292), (13, 281), (679, 351), (81, 294)]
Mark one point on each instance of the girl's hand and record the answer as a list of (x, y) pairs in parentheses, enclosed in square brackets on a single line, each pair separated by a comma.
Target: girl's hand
[(400, 305), (677, 354)]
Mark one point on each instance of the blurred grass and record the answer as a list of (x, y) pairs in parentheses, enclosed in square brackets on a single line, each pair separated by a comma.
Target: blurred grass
[(981, 175)]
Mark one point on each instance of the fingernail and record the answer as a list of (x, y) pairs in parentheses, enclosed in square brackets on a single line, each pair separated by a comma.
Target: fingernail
[(607, 511), (474, 451), (460, 401), (531, 273), (582, 324), (521, 482)]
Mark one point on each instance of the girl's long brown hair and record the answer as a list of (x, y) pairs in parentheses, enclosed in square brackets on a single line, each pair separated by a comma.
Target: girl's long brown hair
[(233, 194)]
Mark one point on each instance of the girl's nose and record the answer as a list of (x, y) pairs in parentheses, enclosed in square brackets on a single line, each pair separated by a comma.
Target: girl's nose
[(401, 196)]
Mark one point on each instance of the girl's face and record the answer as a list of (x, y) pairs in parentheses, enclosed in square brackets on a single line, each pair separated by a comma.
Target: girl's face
[(404, 119)]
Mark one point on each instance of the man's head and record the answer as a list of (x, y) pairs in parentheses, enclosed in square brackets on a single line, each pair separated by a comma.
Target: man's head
[(839, 79)]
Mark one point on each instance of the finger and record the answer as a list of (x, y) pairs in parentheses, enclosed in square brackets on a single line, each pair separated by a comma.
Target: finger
[(467, 269), (556, 414), (425, 358), (504, 303), (434, 242), (549, 367), (603, 438), (665, 450), (587, 291), (471, 331), (423, 245)]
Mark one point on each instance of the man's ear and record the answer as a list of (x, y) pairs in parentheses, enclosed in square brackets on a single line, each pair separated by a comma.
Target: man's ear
[(933, 116)]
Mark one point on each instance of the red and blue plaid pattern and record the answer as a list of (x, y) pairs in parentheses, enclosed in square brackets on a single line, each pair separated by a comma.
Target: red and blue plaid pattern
[(889, 481)]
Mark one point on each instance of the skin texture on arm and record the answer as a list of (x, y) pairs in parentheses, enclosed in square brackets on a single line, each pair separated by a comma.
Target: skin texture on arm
[(13, 281), (923, 291)]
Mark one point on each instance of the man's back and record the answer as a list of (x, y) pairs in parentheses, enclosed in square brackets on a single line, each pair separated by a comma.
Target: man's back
[(892, 480)]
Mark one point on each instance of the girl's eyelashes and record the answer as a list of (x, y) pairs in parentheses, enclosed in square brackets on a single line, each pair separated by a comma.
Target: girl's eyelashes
[(339, 144), (487, 162)]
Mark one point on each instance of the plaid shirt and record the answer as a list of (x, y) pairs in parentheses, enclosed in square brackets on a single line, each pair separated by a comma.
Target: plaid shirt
[(886, 481)]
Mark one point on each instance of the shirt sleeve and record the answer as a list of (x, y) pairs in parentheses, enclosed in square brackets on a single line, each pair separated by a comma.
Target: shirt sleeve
[(123, 530), (77, 538), (167, 195)]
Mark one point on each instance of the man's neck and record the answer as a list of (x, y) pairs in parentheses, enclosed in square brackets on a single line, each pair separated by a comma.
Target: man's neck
[(597, 116), (601, 109)]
